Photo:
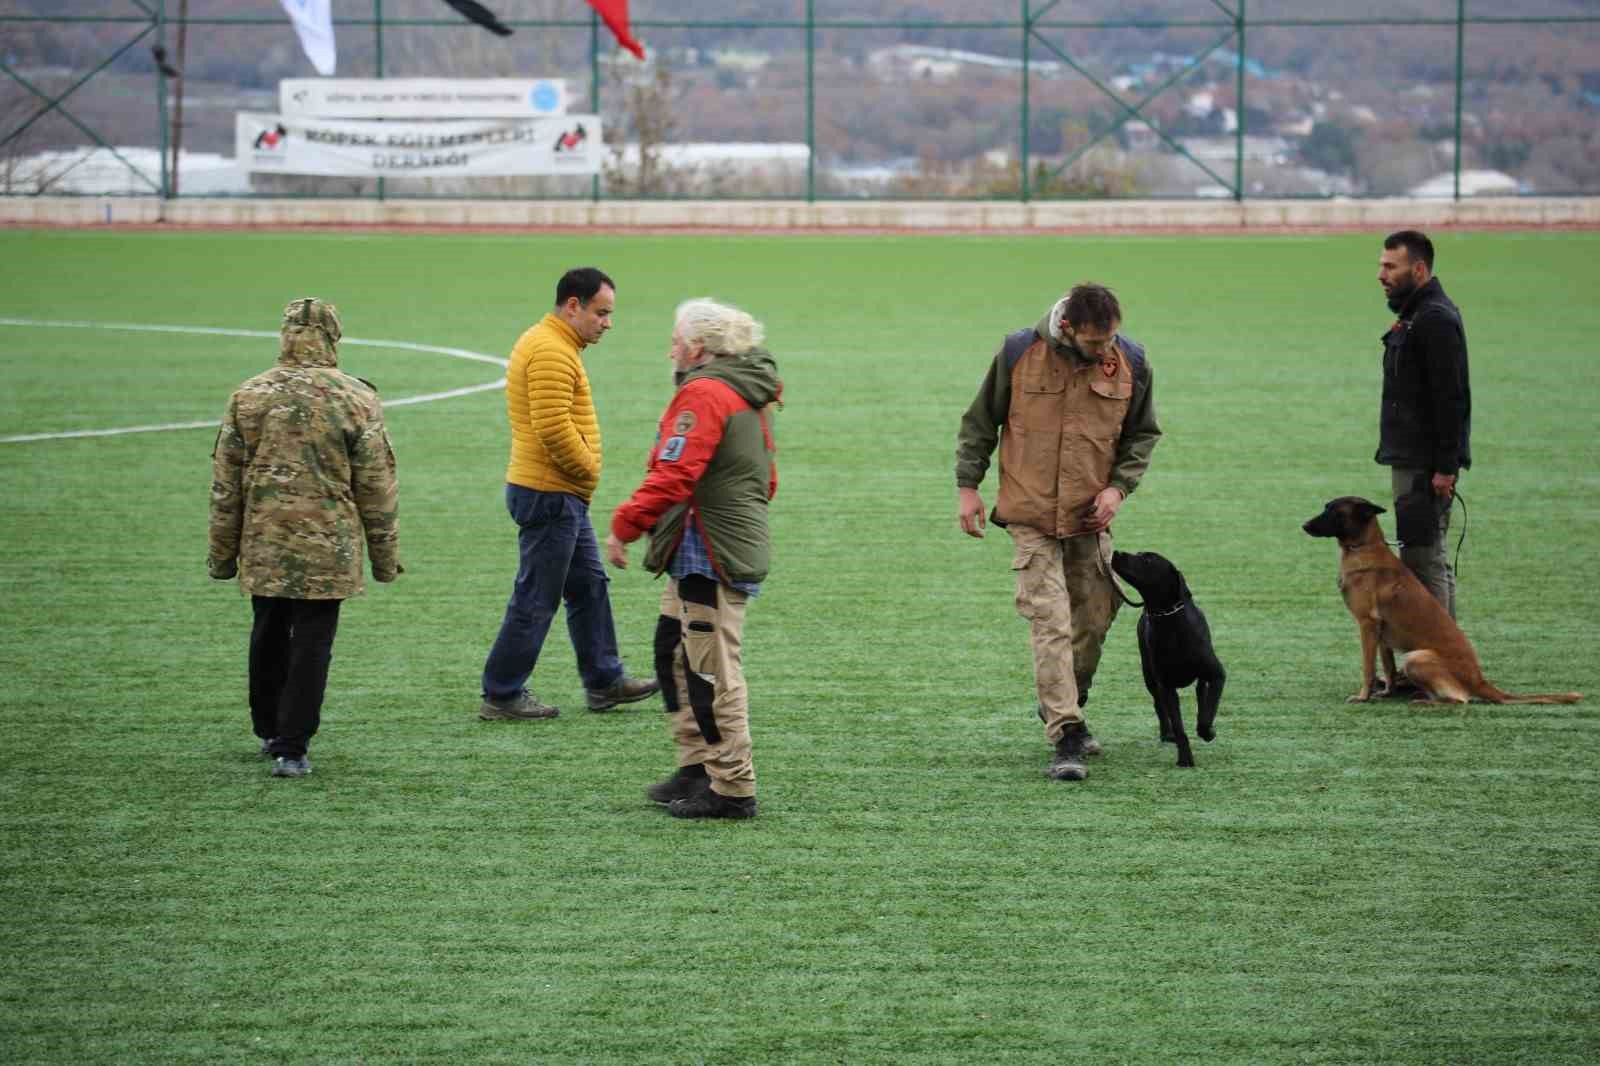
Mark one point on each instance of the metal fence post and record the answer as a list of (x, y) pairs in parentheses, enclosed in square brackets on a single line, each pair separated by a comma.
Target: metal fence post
[(377, 32), (594, 88), (1022, 170), (811, 102), (1461, 42), (161, 98), (1238, 96)]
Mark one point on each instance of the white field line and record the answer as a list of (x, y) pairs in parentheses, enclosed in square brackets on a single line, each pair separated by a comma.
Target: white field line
[(135, 327)]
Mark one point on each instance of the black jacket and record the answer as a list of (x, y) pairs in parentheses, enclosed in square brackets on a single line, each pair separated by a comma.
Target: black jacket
[(1426, 420)]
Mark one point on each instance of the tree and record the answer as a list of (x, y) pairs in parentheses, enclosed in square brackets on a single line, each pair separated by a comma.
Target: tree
[(1330, 147)]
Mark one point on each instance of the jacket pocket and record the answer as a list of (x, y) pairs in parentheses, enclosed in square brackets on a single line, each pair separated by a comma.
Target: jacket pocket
[(1112, 390)]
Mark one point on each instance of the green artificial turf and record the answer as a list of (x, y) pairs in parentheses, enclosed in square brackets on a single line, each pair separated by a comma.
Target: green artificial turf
[(1332, 884)]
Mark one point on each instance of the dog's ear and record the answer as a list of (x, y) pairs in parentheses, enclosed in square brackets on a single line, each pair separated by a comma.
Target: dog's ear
[(1366, 509), (1183, 586)]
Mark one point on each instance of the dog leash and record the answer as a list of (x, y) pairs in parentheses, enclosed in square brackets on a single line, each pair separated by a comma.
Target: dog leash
[(1455, 565)]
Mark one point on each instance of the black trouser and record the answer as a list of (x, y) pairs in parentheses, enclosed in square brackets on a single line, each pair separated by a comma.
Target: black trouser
[(291, 645)]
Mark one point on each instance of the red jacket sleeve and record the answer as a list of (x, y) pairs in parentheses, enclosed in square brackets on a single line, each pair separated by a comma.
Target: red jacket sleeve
[(687, 439)]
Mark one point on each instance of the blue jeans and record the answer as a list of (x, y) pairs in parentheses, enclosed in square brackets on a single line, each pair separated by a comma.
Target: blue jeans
[(560, 562)]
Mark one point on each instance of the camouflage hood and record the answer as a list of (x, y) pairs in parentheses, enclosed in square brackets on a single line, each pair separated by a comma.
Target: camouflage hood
[(310, 334)]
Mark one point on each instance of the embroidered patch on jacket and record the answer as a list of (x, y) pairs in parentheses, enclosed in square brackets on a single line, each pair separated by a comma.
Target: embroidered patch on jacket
[(1109, 368), (684, 423), (672, 450)]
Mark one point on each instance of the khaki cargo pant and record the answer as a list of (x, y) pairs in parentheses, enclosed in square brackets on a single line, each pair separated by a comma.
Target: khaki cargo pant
[(709, 707), (1431, 562), (1064, 591)]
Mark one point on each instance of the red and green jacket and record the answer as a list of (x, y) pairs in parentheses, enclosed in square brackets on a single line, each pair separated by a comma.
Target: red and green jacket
[(714, 465)]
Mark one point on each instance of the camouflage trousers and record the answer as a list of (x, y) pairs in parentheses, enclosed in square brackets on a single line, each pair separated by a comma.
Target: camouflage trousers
[(702, 681), (1064, 590), (1430, 562)]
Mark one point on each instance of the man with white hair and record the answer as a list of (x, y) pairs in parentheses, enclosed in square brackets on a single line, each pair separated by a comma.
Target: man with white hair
[(704, 504)]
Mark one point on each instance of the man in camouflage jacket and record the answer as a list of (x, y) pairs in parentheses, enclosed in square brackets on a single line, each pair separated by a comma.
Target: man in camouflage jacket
[(303, 477)]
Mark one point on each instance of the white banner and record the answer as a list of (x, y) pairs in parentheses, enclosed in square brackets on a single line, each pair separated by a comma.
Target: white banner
[(313, 21), (422, 97), (284, 144)]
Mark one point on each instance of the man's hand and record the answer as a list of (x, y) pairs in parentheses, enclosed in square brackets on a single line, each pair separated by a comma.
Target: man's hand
[(223, 569), (1444, 485), (616, 552), (383, 577), (970, 512), (1106, 506)]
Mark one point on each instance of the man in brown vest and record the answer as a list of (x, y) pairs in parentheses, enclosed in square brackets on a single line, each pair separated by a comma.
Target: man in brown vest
[(1070, 402)]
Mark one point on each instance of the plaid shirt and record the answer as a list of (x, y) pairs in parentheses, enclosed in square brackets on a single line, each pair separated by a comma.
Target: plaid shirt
[(692, 558)]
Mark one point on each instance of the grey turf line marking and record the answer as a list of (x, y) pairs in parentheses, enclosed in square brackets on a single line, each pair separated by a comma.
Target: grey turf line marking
[(136, 327)]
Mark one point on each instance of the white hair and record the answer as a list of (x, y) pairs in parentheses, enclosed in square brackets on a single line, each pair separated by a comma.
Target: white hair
[(723, 330)]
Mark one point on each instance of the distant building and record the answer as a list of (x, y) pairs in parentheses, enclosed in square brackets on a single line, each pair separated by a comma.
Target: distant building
[(1473, 183), (1257, 149), (916, 62), (744, 157), (98, 172)]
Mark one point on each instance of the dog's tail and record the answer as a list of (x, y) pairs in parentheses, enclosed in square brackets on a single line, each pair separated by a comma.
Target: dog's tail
[(1488, 692)]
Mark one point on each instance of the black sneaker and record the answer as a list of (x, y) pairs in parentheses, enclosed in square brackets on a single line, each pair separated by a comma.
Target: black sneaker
[(524, 707), (709, 804), (624, 689), (1068, 762), (284, 766), (687, 781), (1088, 746)]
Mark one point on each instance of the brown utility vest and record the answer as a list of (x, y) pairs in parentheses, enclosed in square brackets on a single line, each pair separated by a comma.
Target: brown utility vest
[(1061, 435)]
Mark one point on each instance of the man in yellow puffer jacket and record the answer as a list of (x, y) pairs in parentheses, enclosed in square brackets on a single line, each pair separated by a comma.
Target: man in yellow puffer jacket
[(555, 466)]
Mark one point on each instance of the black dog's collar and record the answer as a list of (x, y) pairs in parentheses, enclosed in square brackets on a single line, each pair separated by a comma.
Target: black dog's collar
[(1168, 613)]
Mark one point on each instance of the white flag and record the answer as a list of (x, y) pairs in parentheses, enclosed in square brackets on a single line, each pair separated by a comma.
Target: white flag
[(313, 21)]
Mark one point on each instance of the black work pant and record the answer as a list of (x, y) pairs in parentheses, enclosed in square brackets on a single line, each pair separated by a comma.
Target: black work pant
[(291, 645)]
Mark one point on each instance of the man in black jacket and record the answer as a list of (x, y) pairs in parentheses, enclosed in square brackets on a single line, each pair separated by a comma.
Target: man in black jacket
[(1425, 426)]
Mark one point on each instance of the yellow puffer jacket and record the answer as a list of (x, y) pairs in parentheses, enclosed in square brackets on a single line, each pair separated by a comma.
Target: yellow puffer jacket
[(555, 434)]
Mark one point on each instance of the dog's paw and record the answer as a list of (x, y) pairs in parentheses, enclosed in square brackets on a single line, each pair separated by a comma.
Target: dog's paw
[(1207, 733), (1360, 697)]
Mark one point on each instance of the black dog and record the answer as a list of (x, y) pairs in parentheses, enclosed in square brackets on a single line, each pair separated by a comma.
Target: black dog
[(1174, 647)]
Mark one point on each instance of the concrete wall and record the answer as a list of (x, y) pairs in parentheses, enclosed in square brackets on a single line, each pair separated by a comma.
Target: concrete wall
[(779, 215)]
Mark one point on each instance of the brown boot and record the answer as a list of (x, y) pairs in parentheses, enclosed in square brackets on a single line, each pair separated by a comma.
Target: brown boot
[(522, 708), (624, 689)]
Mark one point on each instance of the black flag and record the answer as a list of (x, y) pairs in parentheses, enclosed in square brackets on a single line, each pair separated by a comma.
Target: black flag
[(481, 15), (160, 55)]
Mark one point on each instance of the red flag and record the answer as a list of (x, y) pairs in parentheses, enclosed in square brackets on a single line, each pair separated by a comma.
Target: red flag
[(615, 14)]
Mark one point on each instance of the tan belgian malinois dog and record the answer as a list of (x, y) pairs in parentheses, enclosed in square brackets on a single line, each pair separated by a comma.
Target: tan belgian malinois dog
[(1397, 613)]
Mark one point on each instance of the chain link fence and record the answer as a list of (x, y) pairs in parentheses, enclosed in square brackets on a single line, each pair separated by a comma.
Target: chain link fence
[(848, 99)]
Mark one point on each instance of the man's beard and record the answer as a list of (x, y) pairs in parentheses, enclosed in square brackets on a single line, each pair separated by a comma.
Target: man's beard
[(1400, 293)]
